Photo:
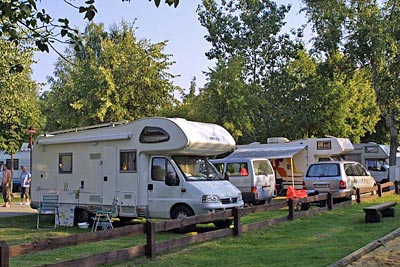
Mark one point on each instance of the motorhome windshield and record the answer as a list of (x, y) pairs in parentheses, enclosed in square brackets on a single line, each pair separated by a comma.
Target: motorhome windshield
[(197, 168)]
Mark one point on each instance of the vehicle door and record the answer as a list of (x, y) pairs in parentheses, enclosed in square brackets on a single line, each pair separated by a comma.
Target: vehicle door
[(358, 175), (109, 179), (161, 192)]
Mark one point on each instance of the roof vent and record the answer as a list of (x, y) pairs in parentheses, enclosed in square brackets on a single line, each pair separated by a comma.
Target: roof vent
[(277, 140)]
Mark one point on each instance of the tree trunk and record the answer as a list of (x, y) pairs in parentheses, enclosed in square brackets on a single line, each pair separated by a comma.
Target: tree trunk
[(391, 123)]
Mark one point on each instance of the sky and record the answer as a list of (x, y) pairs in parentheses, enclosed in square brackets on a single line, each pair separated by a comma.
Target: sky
[(180, 26)]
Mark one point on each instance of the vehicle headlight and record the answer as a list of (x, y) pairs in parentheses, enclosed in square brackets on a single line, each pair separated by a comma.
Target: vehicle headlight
[(240, 197), (211, 199)]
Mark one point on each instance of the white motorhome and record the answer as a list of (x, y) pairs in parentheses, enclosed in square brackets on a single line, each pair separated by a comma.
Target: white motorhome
[(21, 158), (372, 156), (153, 167), (290, 159), (254, 176)]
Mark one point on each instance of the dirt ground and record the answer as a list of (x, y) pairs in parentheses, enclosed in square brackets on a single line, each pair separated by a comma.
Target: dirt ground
[(385, 255)]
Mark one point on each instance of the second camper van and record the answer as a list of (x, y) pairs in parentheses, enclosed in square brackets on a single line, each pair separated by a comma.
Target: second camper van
[(254, 176)]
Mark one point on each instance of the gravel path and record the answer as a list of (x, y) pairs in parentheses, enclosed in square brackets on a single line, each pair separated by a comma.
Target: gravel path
[(386, 255)]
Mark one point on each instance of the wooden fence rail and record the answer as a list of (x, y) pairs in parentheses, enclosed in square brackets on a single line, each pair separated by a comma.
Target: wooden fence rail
[(150, 228)]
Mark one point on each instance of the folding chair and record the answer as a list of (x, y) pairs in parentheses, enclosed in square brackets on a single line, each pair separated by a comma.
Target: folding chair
[(103, 218), (48, 206)]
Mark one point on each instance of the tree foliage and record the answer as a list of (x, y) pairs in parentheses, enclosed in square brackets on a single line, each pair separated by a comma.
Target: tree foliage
[(251, 30), (367, 32), (266, 85), (114, 77), (21, 20), (18, 101), (317, 98)]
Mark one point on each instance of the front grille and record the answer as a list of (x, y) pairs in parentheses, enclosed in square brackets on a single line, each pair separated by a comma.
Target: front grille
[(229, 200)]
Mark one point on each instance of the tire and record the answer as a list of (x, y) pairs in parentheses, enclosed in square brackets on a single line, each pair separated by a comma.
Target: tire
[(181, 212), (125, 219), (223, 223)]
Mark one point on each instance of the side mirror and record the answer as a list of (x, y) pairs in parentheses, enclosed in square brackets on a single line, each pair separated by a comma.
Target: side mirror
[(171, 179)]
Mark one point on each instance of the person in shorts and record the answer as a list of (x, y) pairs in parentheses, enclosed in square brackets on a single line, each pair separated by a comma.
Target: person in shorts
[(6, 186), (25, 185)]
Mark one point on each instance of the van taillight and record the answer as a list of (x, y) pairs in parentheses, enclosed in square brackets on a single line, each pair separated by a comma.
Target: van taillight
[(253, 189), (342, 184)]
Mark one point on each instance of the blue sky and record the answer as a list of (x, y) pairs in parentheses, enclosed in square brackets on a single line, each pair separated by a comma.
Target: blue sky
[(180, 26)]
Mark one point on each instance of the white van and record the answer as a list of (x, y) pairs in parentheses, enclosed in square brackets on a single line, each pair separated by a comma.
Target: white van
[(154, 167), (254, 177)]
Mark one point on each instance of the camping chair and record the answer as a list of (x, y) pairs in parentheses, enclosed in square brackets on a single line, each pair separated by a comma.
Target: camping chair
[(48, 206), (103, 218)]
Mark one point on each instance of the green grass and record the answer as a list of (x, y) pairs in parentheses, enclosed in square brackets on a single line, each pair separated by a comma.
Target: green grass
[(313, 241)]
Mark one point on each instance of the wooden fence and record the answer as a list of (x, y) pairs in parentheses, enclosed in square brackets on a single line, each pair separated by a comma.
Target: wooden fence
[(150, 228)]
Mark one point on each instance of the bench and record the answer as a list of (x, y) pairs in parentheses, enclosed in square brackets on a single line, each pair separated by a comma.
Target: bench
[(375, 213)]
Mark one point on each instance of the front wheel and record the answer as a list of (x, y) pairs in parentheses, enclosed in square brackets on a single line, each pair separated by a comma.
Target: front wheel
[(181, 212), (223, 223)]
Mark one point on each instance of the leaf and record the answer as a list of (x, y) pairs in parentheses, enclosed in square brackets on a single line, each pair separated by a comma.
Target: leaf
[(90, 15), (157, 2), (64, 32)]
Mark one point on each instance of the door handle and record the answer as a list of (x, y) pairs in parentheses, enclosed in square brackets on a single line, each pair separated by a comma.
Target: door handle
[(150, 187)]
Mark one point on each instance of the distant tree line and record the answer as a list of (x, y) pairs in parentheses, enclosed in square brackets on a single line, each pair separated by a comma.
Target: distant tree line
[(265, 82)]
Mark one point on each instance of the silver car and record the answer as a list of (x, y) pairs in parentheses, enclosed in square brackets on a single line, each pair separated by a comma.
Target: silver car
[(337, 176)]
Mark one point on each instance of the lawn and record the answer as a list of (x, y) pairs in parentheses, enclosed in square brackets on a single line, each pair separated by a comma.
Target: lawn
[(313, 241)]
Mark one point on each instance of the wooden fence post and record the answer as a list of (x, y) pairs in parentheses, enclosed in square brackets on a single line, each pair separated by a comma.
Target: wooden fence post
[(379, 190), (358, 195), (151, 239), (291, 210), (4, 254), (329, 201), (237, 227)]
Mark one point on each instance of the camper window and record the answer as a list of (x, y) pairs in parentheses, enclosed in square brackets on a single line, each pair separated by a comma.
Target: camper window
[(153, 135), (376, 165), (65, 163), (15, 162), (127, 161), (371, 149), (324, 145)]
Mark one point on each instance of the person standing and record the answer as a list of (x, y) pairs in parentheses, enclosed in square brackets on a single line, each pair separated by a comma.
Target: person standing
[(25, 185), (6, 186)]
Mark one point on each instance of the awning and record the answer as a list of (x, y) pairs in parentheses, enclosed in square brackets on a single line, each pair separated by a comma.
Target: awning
[(269, 151), (266, 151)]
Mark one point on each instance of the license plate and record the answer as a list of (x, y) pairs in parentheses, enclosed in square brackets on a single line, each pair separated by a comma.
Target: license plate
[(321, 185)]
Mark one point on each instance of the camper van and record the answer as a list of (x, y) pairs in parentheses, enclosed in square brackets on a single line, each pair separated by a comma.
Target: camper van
[(19, 159), (372, 156), (253, 176), (152, 168), (290, 159)]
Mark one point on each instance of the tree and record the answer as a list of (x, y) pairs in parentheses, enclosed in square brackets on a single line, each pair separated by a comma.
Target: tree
[(316, 98), (251, 30), (248, 32), (229, 101), (19, 95), (23, 16), (368, 34), (114, 77)]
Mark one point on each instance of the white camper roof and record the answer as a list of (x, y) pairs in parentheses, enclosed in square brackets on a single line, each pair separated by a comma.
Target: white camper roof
[(184, 137), (270, 151)]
